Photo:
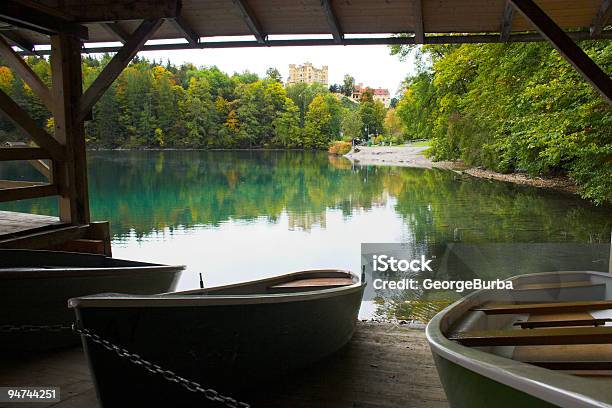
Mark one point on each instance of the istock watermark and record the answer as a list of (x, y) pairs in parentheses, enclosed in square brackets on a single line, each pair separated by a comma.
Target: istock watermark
[(412, 272)]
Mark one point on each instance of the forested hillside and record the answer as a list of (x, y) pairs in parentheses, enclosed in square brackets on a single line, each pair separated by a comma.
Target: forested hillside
[(512, 107), (160, 105)]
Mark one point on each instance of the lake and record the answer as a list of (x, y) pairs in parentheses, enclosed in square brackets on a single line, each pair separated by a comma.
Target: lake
[(239, 215)]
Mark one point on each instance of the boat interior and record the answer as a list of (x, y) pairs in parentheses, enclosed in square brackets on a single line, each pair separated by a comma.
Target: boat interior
[(559, 321), (304, 281)]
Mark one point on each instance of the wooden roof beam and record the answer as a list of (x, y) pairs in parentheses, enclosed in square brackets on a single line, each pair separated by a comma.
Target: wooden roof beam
[(98, 11), (189, 33), (23, 121), (19, 41), (601, 18), (419, 31), (38, 19), (566, 47), (112, 70), (115, 30), (251, 21), (506, 24), (25, 72), (332, 21)]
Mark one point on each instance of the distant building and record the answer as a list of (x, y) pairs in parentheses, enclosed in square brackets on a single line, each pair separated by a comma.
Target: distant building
[(378, 94), (307, 73)]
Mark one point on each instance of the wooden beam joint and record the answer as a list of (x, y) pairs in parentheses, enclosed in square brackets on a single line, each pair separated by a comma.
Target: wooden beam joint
[(419, 30), (506, 24), (601, 18), (189, 33), (112, 70), (566, 47), (25, 72), (39, 18), (251, 21), (332, 21)]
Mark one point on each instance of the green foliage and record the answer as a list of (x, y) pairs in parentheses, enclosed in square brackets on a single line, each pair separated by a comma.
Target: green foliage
[(513, 107), (351, 125), (155, 105)]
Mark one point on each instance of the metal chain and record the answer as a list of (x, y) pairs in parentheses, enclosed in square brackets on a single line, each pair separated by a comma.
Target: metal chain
[(169, 375)]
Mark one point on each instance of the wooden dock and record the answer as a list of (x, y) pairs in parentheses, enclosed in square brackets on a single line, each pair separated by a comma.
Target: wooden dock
[(32, 231), (384, 366)]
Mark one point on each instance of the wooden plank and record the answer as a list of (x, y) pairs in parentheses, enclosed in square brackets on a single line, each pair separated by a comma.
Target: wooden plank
[(544, 336), (113, 10), (17, 183), (573, 365), (419, 30), (23, 193), (506, 25), (88, 246), (23, 121), (251, 20), (314, 282), (116, 31), (552, 307), (12, 222), (22, 69), (562, 323), (23, 153), (100, 230), (566, 47), (601, 18), (44, 239), (185, 29), (115, 66), (38, 18), (332, 21), (20, 41), (442, 39)]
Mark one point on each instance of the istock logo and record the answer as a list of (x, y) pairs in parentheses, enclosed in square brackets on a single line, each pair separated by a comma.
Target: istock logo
[(384, 263)]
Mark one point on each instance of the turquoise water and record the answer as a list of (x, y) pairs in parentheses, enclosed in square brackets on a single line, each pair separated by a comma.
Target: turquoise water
[(236, 216)]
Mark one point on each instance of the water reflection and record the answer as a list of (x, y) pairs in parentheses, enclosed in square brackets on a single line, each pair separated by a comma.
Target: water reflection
[(241, 215)]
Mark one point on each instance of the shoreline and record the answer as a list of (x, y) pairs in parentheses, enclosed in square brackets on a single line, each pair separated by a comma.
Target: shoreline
[(412, 156)]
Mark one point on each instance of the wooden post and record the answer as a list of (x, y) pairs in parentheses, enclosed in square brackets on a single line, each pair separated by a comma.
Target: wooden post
[(71, 173)]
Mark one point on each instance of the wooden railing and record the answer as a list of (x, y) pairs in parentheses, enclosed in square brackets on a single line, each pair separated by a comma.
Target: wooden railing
[(11, 190)]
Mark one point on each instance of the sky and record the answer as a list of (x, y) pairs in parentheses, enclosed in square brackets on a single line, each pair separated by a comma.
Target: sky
[(371, 65)]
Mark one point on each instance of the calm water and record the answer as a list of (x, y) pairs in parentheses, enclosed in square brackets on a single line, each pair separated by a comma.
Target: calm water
[(241, 215)]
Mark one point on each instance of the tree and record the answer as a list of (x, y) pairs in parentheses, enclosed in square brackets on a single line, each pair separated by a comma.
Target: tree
[(351, 125), (372, 115), (321, 122), (348, 86), (393, 126), (302, 94), (272, 74), (198, 113)]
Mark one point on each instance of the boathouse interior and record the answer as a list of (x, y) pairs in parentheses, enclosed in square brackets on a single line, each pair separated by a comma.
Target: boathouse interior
[(65, 29)]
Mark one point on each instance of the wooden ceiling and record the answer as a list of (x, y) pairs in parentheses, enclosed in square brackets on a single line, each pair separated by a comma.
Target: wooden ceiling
[(108, 20)]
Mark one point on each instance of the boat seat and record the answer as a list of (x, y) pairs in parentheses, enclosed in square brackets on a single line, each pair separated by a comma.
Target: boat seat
[(562, 323), (551, 307), (313, 283), (543, 336)]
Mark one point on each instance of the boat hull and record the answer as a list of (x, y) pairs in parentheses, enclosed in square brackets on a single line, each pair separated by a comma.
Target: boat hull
[(34, 295), (230, 348), (467, 389)]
